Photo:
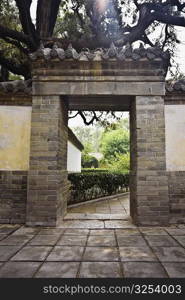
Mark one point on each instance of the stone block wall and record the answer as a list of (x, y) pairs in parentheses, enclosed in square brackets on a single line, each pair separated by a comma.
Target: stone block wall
[(13, 195), (47, 177), (149, 181), (176, 181)]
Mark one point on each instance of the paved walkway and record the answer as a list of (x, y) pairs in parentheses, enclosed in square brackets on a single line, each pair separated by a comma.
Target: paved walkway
[(92, 248)]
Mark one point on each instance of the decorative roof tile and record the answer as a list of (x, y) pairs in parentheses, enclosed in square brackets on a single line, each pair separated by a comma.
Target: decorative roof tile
[(121, 54)]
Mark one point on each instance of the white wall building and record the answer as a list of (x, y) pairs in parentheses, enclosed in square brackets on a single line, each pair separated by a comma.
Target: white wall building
[(74, 153)]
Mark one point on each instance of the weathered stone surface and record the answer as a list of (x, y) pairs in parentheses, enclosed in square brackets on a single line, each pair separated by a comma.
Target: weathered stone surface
[(76, 231), (180, 239), (161, 240), (82, 224), (170, 254), (34, 253), (100, 270), (14, 240), (101, 241), (144, 270), (44, 240), (72, 240), (136, 254), (175, 270), (131, 241), (66, 253), (7, 251), (102, 232), (153, 231), (58, 270), (127, 232), (19, 269), (100, 254), (174, 231)]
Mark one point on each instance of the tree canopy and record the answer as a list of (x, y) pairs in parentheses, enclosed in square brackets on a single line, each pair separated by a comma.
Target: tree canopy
[(86, 24)]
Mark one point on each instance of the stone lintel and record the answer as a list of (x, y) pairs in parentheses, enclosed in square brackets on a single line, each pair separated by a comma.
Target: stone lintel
[(99, 88)]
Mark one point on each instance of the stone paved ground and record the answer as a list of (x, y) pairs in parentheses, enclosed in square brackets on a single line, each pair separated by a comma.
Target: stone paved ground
[(100, 247)]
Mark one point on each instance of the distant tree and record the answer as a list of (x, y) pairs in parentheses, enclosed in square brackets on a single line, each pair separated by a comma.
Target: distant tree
[(114, 142)]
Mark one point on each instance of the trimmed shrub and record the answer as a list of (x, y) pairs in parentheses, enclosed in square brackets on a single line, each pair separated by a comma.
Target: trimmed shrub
[(87, 186), (89, 170), (89, 161)]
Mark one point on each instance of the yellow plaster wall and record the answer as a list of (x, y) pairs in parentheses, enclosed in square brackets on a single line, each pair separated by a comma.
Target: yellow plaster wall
[(175, 137), (15, 127)]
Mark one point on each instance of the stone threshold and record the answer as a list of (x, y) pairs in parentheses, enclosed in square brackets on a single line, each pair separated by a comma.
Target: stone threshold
[(92, 216), (99, 199)]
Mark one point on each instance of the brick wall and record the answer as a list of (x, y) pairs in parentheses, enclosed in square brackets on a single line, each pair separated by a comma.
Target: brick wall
[(13, 195), (176, 181), (149, 181), (47, 177)]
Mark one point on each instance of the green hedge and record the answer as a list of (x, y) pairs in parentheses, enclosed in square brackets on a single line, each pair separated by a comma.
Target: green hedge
[(89, 170), (87, 186)]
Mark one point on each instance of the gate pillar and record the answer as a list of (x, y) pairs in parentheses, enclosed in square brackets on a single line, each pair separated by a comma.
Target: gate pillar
[(148, 180), (47, 176)]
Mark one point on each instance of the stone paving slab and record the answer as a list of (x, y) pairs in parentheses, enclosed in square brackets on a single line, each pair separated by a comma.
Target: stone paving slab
[(131, 241), (170, 254), (44, 240), (53, 231), (100, 270), (76, 232), (175, 270), (66, 253), (161, 240), (26, 230), (7, 251), (176, 231), (92, 252), (101, 241), (153, 231), (7, 229), (58, 270), (72, 240), (180, 239), (98, 216), (144, 270), (127, 232), (100, 254), (15, 269), (118, 224), (32, 253), (102, 232), (137, 254), (2, 236), (14, 240), (82, 224)]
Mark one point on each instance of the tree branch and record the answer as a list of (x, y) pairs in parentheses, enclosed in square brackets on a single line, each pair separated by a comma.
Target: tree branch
[(21, 37), (168, 19), (12, 66), (16, 44), (26, 21), (76, 11)]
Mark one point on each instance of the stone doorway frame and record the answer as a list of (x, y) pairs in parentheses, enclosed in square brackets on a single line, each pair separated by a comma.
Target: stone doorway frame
[(66, 80)]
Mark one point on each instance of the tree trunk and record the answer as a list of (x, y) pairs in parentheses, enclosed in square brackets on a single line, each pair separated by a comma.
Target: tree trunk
[(47, 11)]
